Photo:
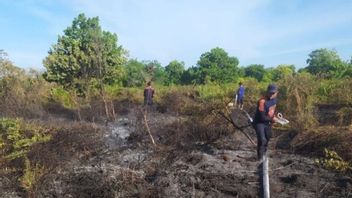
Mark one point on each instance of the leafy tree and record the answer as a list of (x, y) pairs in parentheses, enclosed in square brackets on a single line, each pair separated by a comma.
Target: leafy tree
[(217, 66), (138, 73), (85, 56), (268, 75), (190, 76), (241, 72), (324, 62), (83, 53), (135, 73), (282, 71), (174, 71), (346, 71), (155, 72), (255, 70)]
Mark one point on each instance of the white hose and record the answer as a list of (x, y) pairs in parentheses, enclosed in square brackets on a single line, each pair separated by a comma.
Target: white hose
[(236, 99), (266, 185)]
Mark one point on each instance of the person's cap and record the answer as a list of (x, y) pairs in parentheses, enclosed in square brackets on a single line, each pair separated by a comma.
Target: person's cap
[(272, 88)]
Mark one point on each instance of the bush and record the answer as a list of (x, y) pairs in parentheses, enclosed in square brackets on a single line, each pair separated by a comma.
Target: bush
[(63, 97), (16, 141), (22, 94), (344, 116), (297, 100), (335, 91), (17, 137), (31, 175), (314, 141), (334, 162)]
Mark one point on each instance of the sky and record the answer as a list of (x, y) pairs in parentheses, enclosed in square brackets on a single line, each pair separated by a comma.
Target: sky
[(268, 32)]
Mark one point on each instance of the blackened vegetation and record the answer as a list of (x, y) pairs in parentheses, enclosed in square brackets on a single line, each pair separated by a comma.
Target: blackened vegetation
[(198, 153)]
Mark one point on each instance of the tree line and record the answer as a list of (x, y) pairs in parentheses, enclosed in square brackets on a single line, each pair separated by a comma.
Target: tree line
[(87, 56)]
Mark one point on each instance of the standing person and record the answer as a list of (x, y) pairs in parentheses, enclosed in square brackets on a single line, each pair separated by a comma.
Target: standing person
[(240, 96), (148, 94), (264, 118)]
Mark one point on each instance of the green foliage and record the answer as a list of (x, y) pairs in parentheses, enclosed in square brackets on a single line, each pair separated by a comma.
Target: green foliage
[(325, 63), (17, 137), (268, 75), (254, 90), (16, 140), (333, 161), (31, 175), (63, 97), (138, 73), (282, 71), (211, 92), (113, 90), (255, 71), (226, 92), (135, 74), (346, 71), (217, 66), (191, 76), (84, 52), (337, 91), (156, 72), (174, 71)]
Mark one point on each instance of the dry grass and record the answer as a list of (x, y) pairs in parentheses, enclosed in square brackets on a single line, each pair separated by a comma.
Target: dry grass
[(297, 100), (344, 116), (313, 142)]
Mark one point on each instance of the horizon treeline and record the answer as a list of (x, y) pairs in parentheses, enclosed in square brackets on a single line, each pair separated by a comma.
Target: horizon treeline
[(86, 54)]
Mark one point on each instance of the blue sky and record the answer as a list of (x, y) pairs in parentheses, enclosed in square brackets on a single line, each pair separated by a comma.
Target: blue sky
[(268, 32)]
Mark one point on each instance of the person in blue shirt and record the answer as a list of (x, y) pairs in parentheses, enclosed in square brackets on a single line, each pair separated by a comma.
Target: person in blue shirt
[(264, 118), (240, 96)]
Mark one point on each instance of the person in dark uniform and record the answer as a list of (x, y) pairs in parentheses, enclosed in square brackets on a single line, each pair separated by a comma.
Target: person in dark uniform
[(148, 94), (264, 118)]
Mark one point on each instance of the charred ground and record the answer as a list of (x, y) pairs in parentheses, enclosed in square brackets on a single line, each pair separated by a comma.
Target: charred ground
[(198, 153)]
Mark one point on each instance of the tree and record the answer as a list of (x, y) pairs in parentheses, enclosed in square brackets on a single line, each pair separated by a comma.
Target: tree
[(174, 71), (217, 66), (282, 71), (85, 55), (324, 62), (344, 70), (84, 52), (155, 72), (191, 76), (255, 71), (135, 73), (268, 75)]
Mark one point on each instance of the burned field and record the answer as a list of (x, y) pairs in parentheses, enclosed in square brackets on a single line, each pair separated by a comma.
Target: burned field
[(195, 155)]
